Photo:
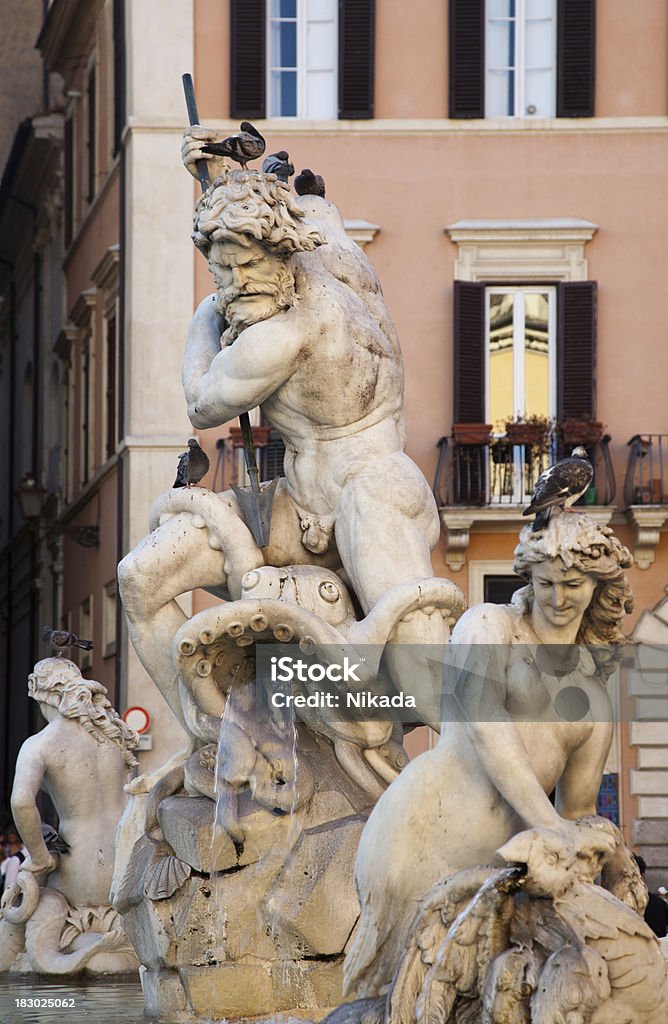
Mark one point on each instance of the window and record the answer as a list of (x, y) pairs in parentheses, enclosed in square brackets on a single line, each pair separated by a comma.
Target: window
[(109, 607), (302, 72), (520, 353), (490, 367), (521, 48), (521, 58), (69, 181), (111, 373), (91, 131), (86, 632), (82, 398), (106, 277), (302, 58)]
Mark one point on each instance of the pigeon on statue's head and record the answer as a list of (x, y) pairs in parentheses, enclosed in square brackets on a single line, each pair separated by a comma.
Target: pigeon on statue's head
[(279, 164), (560, 486), (310, 184)]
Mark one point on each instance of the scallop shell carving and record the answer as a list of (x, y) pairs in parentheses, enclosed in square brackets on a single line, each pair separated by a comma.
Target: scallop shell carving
[(163, 877)]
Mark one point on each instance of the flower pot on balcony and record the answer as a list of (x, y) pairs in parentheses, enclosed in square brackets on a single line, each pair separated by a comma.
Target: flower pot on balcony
[(525, 433), (471, 433), (260, 436), (575, 432)]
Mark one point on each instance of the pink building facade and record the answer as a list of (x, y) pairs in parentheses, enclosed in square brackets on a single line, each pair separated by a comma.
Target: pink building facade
[(501, 161)]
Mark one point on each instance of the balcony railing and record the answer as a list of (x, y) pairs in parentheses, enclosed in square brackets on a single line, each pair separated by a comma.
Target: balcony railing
[(231, 467), (500, 473), (646, 481)]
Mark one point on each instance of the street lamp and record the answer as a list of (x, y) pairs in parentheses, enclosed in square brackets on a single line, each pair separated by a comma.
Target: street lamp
[(30, 494)]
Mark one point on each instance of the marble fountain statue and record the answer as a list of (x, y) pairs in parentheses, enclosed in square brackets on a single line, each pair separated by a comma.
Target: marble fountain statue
[(56, 919), (277, 847), (234, 873)]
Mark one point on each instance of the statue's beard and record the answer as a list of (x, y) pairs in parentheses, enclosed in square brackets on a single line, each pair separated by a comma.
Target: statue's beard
[(239, 314)]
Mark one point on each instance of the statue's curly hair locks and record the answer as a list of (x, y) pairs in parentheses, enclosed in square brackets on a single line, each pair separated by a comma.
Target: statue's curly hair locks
[(581, 543), (255, 205), (58, 682)]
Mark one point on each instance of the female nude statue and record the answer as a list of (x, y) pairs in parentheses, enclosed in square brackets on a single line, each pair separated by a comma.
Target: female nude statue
[(533, 715)]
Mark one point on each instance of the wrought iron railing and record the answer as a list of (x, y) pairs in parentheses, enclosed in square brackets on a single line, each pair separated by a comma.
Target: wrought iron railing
[(646, 480), (500, 473), (230, 465)]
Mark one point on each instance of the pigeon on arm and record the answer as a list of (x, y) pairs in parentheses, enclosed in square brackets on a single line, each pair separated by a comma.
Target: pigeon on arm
[(246, 145), (193, 465)]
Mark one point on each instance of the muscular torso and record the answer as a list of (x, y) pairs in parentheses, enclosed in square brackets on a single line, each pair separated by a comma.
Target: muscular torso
[(342, 405)]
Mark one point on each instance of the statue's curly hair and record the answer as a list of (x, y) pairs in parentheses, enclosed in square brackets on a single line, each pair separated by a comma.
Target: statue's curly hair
[(581, 543), (242, 204), (58, 682)]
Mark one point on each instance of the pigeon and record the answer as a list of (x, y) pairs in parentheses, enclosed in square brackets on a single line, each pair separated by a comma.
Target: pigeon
[(279, 164), (246, 145), (560, 486), (60, 639), (309, 184), (193, 465), (52, 840)]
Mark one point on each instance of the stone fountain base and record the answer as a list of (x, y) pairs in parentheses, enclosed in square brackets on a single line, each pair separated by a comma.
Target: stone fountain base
[(229, 931)]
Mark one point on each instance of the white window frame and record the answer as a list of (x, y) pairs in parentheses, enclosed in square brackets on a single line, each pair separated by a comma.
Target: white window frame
[(301, 69), (521, 65), (518, 349)]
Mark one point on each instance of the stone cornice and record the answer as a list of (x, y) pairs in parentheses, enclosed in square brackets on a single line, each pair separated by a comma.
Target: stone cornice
[(525, 127), (532, 229)]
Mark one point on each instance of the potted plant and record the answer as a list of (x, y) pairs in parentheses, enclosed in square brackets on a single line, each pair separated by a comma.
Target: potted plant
[(471, 433), (581, 430), (260, 436), (534, 430)]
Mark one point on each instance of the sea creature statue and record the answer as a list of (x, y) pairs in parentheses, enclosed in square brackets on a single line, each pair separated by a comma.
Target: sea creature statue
[(56, 918), (536, 942)]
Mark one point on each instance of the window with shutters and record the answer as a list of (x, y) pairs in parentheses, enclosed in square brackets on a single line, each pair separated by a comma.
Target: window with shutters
[(521, 58), (302, 58)]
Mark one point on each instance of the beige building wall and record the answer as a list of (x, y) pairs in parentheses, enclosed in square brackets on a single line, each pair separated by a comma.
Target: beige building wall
[(21, 68)]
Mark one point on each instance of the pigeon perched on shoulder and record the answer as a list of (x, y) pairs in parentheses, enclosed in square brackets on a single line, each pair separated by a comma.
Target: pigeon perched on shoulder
[(53, 841), (246, 145), (279, 164), (560, 486), (59, 639), (193, 465), (309, 184)]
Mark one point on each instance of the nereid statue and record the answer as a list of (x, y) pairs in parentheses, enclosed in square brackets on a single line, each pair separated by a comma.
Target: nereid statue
[(57, 918), (443, 931)]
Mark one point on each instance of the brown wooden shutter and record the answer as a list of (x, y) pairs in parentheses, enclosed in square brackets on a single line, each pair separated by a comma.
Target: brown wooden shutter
[(576, 57), (357, 24), (469, 346), (576, 350), (466, 46), (247, 58)]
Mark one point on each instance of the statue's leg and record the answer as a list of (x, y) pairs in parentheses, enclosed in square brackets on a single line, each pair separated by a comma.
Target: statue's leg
[(174, 559), (386, 527)]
